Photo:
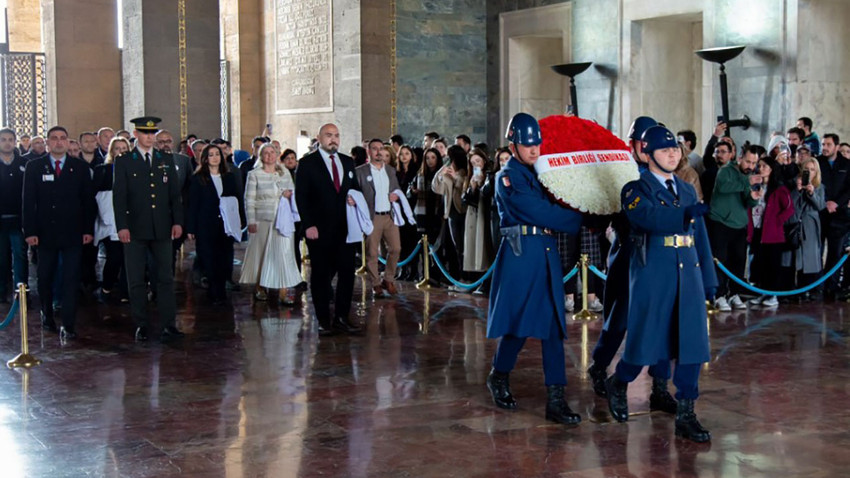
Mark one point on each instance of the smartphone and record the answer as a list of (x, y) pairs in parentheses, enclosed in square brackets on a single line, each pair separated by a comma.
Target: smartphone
[(805, 177), (269, 127)]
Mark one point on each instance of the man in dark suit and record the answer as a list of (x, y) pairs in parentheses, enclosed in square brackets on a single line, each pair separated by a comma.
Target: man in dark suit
[(58, 217), (12, 245), (183, 167), (836, 182), (322, 182), (148, 215)]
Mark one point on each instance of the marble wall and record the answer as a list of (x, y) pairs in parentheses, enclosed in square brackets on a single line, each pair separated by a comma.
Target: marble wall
[(345, 73), (442, 78), (643, 63), (594, 36)]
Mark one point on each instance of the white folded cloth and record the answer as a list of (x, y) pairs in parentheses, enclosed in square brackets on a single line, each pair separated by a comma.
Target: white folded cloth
[(104, 225), (229, 208), (287, 216), (357, 216), (398, 219)]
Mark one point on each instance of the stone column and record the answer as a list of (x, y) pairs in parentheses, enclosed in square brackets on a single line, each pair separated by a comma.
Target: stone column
[(83, 66), (151, 64), (243, 47), (24, 25)]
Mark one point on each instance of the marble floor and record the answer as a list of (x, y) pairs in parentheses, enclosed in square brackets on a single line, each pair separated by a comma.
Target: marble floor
[(252, 391)]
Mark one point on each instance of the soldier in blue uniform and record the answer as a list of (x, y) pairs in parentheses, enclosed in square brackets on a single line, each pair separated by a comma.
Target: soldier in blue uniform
[(527, 297), (616, 298), (667, 317)]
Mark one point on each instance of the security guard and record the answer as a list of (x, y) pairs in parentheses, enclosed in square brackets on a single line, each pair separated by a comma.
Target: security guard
[(616, 298), (666, 318), (527, 297), (148, 215)]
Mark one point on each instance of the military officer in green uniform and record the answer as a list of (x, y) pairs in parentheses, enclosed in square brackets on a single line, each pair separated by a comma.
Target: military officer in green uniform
[(148, 215)]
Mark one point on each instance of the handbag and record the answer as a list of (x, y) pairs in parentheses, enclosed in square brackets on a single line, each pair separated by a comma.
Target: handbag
[(793, 234)]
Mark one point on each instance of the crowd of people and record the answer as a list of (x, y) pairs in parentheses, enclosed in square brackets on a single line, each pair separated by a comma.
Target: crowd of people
[(776, 212)]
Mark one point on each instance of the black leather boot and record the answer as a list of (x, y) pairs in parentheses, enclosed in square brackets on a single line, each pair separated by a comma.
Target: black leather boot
[(557, 409), (500, 389), (618, 402), (687, 425), (660, 399), (597, 377)]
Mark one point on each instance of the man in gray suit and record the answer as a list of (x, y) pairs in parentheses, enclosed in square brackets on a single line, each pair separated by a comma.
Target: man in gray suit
[(378, 181)]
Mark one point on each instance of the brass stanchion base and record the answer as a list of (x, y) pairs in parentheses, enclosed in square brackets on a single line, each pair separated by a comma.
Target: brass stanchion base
[(709, 308), (361, 271), (584, 315), (23, 360), (424, 284)]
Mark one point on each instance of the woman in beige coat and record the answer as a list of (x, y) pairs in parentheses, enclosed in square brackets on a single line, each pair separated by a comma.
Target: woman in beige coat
[(270, 258), (448, 182), (476, 239)]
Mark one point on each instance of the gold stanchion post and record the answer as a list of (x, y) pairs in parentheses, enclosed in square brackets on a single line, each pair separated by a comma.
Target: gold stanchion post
[(362, 269), (426, 314), (425, 283), (584, 314), (24, 359)]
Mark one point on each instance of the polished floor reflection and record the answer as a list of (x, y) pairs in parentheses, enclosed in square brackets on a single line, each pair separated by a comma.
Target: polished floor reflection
[(253, 391)]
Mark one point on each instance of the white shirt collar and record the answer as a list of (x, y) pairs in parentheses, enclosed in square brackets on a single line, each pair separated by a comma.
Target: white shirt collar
[(661, 179)]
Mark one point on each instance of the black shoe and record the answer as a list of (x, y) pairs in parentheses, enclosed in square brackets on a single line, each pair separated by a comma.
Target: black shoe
[(618, 402), (67, 333), (687, 425), (171, 332), (500, 389), (557, 409), (102, 296), (47, 323), (232, 286), (141, 334), (343, 325), (597, 377), (301, 287), (326, 330), (660, 399)]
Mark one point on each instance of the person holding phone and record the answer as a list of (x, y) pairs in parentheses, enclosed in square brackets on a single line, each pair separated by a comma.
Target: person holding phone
[(809, 202), (765, 227)]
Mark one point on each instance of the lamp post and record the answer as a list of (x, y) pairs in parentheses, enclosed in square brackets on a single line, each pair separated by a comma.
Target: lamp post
[(572, 70), (720, 56)]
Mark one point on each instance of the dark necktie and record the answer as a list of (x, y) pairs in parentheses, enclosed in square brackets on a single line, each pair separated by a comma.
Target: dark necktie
[(58, 169), (148, 159), (335, 173), (670, 188)]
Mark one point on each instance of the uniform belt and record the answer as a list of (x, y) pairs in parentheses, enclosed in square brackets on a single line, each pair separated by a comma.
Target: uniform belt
[(674, 241), (383, 213), (534, 231)]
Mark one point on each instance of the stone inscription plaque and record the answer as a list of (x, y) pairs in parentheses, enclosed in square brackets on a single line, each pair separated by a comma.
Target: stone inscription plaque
[(304, 56)]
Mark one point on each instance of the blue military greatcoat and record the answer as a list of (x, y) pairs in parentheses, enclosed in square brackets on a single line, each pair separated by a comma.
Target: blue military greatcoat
[(667, 284), (527, 292)]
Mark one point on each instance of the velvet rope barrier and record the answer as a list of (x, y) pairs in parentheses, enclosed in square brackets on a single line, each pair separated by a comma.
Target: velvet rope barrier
[(801, 290)]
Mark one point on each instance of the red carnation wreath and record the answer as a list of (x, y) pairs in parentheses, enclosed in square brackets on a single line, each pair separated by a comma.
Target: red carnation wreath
[(583, 164)]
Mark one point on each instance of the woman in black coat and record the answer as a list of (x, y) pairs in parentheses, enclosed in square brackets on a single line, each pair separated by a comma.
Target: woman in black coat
[(204, 225)]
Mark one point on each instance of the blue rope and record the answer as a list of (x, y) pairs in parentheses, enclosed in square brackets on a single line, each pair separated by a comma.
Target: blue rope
[(598, 273), (11, 316), (409, 258), (461, 284), (801, 290), (571, 274)]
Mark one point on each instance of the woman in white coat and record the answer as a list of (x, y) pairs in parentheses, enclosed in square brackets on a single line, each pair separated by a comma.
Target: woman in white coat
[(270, 258)]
